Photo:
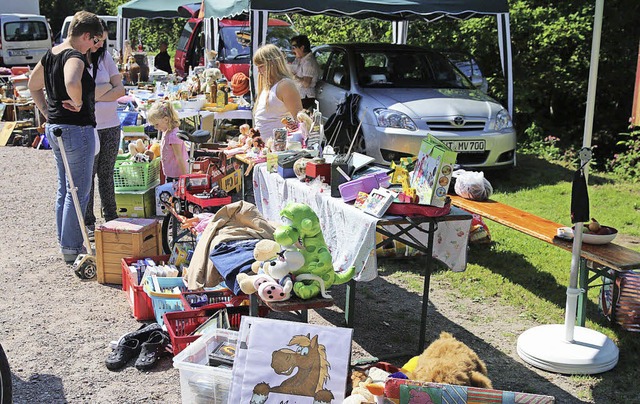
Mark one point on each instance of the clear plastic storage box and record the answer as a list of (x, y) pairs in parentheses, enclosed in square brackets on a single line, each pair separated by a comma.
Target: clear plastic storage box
[(199, 382)]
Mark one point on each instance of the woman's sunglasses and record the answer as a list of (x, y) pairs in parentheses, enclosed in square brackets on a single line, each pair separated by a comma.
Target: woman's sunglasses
[(96, 40)]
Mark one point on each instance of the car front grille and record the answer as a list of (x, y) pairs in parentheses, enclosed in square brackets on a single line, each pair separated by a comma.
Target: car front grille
[(448, 125)]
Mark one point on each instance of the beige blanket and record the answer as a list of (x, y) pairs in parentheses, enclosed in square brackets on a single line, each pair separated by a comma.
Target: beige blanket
[(236, 221)]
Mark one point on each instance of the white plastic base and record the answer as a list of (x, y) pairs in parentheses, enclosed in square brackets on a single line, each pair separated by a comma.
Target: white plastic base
[(545, 347)]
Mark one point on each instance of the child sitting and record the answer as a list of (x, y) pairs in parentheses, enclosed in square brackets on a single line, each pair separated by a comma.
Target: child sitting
[(173, 152)]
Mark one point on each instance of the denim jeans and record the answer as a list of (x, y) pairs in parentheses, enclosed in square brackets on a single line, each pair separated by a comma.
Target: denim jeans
[(79, 146)]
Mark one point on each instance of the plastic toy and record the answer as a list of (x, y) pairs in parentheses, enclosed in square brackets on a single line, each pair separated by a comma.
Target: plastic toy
[(303, 231)]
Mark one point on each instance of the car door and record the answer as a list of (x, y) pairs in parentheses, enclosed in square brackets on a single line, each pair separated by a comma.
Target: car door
[(335, 80)]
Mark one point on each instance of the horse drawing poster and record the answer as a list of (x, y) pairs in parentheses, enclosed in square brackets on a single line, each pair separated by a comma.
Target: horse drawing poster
[(294, 363)]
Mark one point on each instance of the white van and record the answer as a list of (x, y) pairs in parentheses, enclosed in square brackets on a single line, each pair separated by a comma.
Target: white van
[(25, 38), (112, 26)]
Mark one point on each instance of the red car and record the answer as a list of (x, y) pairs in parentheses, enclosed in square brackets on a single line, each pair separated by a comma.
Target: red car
[(233, 50)]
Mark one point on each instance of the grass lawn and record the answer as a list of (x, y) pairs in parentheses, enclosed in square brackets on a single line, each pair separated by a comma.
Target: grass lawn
[(532, 276)]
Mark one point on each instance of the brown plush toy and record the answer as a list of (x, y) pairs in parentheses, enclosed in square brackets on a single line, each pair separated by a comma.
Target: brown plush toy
[(450, 361)]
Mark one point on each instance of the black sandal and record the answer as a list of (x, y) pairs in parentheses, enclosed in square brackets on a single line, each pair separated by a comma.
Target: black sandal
[(125, 350), (152, 350), (142, 334)]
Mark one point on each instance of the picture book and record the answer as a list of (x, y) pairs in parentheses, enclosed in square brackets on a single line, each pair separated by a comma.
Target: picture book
[(361, 199)]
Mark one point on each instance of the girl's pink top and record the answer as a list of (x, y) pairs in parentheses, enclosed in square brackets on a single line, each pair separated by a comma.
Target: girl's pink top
[(169, 162)]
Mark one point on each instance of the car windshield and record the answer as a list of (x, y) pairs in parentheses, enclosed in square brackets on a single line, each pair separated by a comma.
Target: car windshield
[(407, 69), (233, 49)]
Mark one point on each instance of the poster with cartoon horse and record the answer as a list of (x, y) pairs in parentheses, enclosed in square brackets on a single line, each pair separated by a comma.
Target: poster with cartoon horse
[(295, 363)]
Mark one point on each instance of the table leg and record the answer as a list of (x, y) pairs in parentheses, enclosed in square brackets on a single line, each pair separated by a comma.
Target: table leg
[(253, 305), (349, 302), (427, 282)]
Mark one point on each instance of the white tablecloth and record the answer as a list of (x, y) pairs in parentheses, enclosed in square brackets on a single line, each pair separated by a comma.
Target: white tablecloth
[(350, 233)]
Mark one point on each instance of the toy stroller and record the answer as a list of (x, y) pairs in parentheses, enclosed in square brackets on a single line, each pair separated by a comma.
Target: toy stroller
[(85, 264)]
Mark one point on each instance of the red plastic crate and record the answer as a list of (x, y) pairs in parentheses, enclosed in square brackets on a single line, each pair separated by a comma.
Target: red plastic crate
[(214, 297), (138, 299), (180, 324)]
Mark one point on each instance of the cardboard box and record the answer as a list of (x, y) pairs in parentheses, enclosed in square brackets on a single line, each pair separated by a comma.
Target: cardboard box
[(125, 237), (163, 191), (432, 174), (136, 203)]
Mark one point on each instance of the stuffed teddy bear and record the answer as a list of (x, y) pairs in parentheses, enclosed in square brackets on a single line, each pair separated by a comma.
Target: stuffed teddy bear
[(211, 59), (273, 268)]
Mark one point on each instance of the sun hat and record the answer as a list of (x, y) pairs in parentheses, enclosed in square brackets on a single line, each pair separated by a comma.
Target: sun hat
[(239, 84)]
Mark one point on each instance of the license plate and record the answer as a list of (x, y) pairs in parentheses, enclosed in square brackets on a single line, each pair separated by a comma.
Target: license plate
[(468, 146), (18, 53)]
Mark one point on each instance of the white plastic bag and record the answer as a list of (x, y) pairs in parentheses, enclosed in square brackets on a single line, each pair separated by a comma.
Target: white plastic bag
[(472, 185)]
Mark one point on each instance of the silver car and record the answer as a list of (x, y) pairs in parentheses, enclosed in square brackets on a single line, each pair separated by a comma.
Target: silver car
[(407, 92)]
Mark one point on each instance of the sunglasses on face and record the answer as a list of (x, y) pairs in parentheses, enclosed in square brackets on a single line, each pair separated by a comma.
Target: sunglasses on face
[(96, 40)]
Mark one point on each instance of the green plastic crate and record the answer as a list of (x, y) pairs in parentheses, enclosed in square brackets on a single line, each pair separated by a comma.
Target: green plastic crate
[(131, 176)]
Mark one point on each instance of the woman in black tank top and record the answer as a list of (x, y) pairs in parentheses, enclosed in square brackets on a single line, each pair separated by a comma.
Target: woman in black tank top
[(69, 107)]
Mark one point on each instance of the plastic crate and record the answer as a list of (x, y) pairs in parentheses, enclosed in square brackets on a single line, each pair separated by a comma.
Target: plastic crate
[(132, 176), (181, 324), (213, 298), (165, 302), (138, 299), (199, 382)]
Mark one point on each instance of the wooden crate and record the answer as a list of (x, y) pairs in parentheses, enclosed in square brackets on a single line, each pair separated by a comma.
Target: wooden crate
[(125, 237)]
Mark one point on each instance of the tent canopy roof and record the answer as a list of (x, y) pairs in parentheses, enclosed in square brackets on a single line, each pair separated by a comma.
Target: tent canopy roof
[(152, 8), (381, 9)]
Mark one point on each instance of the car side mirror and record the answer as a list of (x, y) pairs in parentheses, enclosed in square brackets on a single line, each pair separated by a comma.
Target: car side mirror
[(337, 78)]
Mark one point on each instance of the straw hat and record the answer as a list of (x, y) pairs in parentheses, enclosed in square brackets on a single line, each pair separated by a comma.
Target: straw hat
[(239, 84)]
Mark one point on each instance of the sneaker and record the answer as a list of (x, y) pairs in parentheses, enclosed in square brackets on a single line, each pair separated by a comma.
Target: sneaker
[(69, 258)]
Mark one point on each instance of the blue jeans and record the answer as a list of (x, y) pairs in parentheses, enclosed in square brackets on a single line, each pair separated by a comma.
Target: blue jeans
[(79, 146)]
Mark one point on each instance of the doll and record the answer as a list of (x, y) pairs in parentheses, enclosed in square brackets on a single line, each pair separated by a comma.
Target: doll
[(245, 135)]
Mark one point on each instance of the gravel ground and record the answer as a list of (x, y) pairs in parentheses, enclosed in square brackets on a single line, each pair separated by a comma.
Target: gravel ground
[(55, 328)]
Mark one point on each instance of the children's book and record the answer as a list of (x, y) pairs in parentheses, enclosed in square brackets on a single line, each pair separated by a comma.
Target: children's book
[(361, 200)]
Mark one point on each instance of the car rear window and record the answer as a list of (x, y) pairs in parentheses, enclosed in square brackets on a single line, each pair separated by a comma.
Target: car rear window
[(25, 31)]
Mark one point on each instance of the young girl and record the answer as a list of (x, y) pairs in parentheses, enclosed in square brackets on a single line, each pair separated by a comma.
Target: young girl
[(172, 149)]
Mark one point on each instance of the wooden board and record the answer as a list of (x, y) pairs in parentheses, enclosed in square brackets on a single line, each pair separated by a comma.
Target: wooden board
[(6, 128), (610, 255)]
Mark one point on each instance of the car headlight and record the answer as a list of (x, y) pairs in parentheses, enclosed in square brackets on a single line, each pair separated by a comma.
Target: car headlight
[(503, 120), (389, 118)]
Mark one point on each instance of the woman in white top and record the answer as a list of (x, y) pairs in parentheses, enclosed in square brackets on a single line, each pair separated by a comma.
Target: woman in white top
[(109, 88), (278, 95)]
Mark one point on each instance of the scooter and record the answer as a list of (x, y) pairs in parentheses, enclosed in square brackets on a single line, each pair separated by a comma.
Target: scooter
[(85, 264)]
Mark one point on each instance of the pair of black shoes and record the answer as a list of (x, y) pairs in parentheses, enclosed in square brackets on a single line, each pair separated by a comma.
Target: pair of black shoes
[(148, 344)]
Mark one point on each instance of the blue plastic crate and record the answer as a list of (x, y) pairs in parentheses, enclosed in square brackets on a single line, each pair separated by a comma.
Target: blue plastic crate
[(165, 300), (128, 118)]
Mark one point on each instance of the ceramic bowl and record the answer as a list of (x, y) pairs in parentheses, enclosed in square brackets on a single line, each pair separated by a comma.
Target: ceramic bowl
[(590, 238)]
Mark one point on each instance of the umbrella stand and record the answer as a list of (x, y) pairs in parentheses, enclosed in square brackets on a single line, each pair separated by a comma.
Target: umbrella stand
[(565, 348)]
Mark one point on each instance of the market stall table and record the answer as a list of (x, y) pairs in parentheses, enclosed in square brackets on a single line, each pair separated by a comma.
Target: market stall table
[(351, 234)]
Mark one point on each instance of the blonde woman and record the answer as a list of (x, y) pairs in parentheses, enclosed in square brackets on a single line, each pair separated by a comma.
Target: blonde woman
[(173, 152), (278, 95)]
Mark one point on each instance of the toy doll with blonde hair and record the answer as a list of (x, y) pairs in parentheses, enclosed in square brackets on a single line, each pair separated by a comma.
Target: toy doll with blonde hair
[(173, 152)]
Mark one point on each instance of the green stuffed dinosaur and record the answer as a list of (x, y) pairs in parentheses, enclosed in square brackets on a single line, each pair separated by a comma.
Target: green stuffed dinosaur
[(302, 229)]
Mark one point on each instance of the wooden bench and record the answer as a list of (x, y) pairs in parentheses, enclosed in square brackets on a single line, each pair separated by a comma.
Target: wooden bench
[(294, 304), (594, 258)]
